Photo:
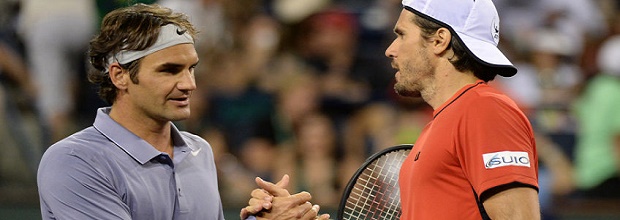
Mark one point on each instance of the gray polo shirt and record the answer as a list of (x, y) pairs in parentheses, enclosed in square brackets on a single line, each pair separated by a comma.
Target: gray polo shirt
[(107, 172)]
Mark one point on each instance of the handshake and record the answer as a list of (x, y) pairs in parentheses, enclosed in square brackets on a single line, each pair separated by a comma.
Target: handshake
[(272, 201)]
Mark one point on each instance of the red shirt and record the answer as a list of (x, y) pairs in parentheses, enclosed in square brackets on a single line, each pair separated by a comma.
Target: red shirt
[(477, 140)]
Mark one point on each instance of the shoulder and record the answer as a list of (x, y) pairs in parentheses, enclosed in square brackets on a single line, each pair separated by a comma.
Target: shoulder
[(604, 84), (80, 157), (488, 98), (480, 102), (84, 141), (84, 147), (489, 91), (488, 106)]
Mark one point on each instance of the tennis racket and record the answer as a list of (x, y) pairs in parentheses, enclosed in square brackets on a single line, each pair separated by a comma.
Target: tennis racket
[(373, 193)]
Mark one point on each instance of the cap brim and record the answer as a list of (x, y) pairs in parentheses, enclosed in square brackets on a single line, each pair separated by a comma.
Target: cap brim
[(489, 55)]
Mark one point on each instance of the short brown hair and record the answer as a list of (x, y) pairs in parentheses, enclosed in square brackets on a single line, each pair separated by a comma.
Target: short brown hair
[(134, 27), (463, 60)]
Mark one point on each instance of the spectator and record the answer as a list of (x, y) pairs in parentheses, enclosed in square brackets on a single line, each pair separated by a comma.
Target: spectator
[(597, 152), (56, 35)]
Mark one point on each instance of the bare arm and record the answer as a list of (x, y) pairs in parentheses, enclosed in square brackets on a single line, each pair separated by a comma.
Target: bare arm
[(561, 168), (513, 203), (15, 68)]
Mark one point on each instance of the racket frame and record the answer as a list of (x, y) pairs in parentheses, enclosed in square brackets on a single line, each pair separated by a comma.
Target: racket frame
[(353, 180)]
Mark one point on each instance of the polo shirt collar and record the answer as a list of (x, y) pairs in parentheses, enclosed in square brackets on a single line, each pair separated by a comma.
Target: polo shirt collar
[(134, 146)]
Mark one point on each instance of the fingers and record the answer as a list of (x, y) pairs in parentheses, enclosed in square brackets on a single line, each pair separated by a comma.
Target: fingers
[(256, 205), (260, 200), (312, 214), (290, 207), (271, 188), (303, 210), (301, 198), (284, 181), (261, 196), (249, 210), (244, 214), (280, 203), (324, 217), (294, 206)]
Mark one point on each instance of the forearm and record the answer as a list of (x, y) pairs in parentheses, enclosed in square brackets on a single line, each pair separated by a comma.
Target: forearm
[(514, 204), (13, 65)]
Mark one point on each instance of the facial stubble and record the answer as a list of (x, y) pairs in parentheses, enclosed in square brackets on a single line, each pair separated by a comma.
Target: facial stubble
[(421, 75)]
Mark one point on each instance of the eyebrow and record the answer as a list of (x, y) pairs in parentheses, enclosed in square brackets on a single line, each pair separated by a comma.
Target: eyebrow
[(170, 65), (174, 65), (398, 30)]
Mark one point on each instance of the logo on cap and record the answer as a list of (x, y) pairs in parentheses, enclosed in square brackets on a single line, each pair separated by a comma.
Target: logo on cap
[(495, 30), (180, 32)]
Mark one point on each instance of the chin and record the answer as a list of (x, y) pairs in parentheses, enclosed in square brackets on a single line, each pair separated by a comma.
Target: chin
[(400, 90), (180, 116), (409, 94)]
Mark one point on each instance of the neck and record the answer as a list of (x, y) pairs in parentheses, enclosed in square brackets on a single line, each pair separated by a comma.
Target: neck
[(156, 133), (448, 81)]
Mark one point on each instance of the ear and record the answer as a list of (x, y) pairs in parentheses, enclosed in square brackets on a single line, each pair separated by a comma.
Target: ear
[(120, 78), (441, 42)]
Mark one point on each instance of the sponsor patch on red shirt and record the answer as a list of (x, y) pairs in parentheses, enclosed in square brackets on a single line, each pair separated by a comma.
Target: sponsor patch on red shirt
[(506, 158)]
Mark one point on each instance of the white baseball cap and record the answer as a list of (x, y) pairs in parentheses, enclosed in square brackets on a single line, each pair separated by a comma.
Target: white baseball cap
[(476, 24)]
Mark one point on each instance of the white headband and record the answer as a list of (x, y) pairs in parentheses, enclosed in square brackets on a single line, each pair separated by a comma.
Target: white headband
[(169, 35)]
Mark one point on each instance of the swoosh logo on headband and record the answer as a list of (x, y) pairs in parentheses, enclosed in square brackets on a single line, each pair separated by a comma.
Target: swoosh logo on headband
[(180, 32)]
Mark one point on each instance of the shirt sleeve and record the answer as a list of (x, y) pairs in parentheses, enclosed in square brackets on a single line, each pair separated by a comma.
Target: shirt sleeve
[(70, 187), (497, 145)]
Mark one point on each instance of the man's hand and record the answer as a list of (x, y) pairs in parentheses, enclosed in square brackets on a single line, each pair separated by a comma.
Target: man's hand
[(273, 201), (261, 198)]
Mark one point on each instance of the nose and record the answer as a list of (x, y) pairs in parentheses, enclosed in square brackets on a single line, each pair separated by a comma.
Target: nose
[(187, 81), (390, 52)]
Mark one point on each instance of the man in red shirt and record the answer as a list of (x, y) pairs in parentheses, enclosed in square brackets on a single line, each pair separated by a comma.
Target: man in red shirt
[(477, 157)]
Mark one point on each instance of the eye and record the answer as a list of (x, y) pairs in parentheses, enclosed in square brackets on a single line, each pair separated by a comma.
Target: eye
[(192, 68), (170, 68), (399, 33)]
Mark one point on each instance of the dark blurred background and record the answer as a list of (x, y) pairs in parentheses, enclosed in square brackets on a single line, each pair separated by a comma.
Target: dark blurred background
[(302, 87)]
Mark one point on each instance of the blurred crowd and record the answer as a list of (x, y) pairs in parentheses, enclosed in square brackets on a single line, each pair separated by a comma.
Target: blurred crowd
[(302, 87)]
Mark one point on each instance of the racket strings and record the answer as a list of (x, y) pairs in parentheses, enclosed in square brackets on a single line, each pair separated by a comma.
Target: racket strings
[(384, 179), (376, 194), (391, 209)]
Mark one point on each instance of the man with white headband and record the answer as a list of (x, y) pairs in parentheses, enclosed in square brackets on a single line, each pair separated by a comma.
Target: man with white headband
[(477, 158), (133, 163)]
